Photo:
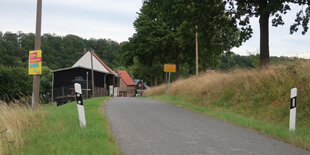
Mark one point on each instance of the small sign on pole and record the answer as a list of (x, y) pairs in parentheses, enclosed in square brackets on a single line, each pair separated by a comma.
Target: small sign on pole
[(35, 62), (80, 106), (169, 68), (293, 109)]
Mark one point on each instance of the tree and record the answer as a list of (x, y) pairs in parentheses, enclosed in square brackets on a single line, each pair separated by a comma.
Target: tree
[(148, 49), (14, 82), (217, 31), (58, 52), (242, 10), (166, 34), (46, 84)]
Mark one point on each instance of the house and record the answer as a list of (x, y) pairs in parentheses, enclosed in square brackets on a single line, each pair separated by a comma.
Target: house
[(140, 86), (105, 78), (127, 85)]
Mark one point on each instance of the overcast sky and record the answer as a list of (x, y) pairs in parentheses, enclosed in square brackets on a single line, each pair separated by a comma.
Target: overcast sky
[(114, 19)]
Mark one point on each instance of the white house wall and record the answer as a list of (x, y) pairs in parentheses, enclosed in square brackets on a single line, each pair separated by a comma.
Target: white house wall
[(85, 61)]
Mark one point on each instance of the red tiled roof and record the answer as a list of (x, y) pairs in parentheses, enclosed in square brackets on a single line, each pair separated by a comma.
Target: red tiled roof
[(102, 63), (126, 77)]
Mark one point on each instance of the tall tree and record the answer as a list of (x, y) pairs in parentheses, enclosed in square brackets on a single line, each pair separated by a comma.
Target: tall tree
[(242, 10), (166, 33)]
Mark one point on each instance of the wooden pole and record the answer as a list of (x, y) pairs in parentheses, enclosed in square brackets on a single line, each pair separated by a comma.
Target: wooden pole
[(196, 50), (37, 46), (53, 88), (86, 85), (92, 74), (169, 84)]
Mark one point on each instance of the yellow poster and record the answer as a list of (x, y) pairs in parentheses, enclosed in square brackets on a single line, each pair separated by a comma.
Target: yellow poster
[(35, 62)]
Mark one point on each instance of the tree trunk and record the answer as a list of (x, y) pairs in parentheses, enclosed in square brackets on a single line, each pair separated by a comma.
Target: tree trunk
[(203, 64), (177, 74), (264, 40), (155, 80), (164, 77), (151, 82)]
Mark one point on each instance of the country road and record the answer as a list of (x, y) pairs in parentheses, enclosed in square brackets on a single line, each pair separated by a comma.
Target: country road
[(143, 126)]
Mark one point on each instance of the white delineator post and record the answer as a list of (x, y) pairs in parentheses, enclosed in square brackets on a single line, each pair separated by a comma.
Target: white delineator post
[(293, 109), (80, 106)]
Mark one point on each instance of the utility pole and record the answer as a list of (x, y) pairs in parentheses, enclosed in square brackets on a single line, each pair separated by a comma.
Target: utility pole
[(92, 74), (37, 46), (86, 85), (196, 50)]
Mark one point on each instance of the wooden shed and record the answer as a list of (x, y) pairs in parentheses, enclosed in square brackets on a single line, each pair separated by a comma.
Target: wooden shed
[(81, 72)]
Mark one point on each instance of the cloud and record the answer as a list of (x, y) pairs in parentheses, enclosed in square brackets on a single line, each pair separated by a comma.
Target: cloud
[(114, 19), (88, 19), (112, 6), (87, 28)]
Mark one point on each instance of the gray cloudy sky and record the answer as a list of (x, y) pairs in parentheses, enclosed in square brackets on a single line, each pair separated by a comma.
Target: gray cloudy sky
[(114, 19)]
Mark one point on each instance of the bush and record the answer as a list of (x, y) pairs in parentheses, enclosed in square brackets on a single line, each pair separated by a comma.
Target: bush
[(14, 81), (45, 85)]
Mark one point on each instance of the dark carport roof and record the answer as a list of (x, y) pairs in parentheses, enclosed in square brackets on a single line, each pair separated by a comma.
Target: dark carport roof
[(69, 68)]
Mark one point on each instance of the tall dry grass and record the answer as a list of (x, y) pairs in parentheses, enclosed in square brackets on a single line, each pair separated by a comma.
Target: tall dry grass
[(15, 118), (252, 92)]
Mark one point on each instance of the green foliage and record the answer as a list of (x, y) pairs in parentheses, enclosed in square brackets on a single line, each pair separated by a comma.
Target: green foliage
[(58, 52), (165, 33), (233, 61), (243, 10), (230, 61), (46, 84), (14, 81)]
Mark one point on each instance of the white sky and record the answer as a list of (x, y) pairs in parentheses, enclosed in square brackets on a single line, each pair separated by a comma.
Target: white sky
[(114, 19)]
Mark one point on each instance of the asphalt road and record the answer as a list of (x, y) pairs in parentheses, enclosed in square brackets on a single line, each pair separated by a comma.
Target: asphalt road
[(144, 126)]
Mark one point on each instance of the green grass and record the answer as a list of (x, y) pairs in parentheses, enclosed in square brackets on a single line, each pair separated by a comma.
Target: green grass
[(280, 131), (60, 132)]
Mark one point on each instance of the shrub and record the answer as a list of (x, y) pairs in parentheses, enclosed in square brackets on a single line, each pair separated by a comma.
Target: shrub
[(14, 81)]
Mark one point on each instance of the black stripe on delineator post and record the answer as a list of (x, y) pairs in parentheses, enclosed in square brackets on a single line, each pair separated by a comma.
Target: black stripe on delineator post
[(79, 99), (293, 102)]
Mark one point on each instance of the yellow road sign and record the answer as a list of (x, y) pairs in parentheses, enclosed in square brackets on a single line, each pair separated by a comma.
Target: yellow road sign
[(35, 62), (169, 68)]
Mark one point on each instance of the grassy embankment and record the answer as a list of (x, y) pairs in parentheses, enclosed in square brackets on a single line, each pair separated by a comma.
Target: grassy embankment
[(14, 121), (59, 131), (254, 99)]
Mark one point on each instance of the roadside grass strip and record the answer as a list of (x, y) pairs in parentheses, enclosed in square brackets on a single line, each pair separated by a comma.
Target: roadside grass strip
[(280, 131), (60, 132)]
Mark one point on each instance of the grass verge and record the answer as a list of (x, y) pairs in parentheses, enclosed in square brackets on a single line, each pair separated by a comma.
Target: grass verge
[(60, 132), (299, 138), (258, 99), (16, 118)]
